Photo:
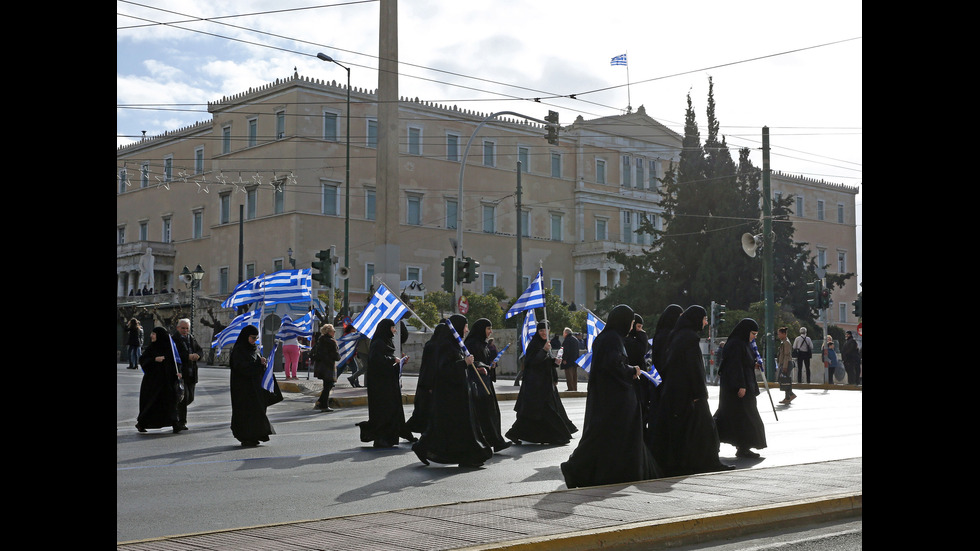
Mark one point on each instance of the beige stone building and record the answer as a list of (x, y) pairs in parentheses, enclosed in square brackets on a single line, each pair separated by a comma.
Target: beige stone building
[(274, 159)]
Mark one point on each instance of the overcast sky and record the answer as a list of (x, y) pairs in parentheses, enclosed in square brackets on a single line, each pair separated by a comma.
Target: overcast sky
[(795, 67)]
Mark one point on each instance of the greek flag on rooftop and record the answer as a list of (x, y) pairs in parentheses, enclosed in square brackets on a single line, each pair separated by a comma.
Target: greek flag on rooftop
[(229, 334), (618, 60), (384, 305), (302, 327), (530, 328), (593, 326), (533, 297), (275, 288)]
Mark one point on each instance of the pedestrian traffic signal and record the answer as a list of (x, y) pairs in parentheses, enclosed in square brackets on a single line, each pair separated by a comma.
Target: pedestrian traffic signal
[(448, 265), (552, 117), (813, 294), (825, 300), (324, 267), (469, 270)]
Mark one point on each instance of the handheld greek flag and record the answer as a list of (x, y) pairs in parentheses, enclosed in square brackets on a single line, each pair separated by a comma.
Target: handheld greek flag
[(499, 354), (458, 339), (283, 286), (530, 328), (268, 379), (533, 297), (383, 305), (618, 60), (229, 334), (755, 348), (173, 348), (593, 326), (302, 327), (653, 375)]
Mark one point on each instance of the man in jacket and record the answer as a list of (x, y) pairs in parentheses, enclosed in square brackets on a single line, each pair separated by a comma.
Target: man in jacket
[(784, 353), (570, 353), (852, 358), (190, 352), (804, 351)]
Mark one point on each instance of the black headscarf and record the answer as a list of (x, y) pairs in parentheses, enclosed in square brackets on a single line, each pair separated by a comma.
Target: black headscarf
[(692, 318), (667, 321), (161, 346), (536, 343), (459, 323), (743, 330), (242, 340), (620, 320), (383, 333), (476, 339)]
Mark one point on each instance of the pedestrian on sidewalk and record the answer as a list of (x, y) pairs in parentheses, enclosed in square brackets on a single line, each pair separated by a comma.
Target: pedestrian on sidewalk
[(852, 358), (290, 355), (325, 355), (570, 353), (784, 357), (803, 348), (831, 358), (737, 417), (134, 342)]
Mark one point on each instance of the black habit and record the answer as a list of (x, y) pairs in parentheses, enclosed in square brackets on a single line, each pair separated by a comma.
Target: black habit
[(386, 416), (487, 407), (249, 423), (158, 404), (738, 419), (611, 449), (419, 420), (658, 355)]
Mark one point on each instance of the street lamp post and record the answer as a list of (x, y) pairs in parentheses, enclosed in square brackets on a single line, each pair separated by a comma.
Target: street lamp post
[(325, 57), (193, 280)]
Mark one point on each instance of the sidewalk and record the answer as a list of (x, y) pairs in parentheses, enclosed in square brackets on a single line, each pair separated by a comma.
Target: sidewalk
[(669, 511)]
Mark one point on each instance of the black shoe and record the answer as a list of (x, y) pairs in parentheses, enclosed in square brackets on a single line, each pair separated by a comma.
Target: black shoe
[(501, 447), (723, 467), (746, 453), (140, 428), (420, 454), (178, 428), (327, 409), (250, 443)]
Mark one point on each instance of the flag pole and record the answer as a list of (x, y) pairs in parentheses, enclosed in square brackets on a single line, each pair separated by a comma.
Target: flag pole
[(545, 306), (629, 101)]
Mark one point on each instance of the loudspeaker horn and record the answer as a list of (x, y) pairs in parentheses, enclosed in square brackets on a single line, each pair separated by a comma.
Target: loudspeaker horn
[(751, 243), (343, 272), (186, 278)]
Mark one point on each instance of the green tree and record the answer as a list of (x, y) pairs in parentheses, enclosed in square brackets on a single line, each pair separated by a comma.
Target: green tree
[(483, 306), (427, 311)]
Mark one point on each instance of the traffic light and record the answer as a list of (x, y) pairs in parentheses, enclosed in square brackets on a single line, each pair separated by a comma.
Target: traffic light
[(469, 270), (325, 271), (813, 294), (552, 117), (825, 300), (857, 306), (447, 273), (717, 314)]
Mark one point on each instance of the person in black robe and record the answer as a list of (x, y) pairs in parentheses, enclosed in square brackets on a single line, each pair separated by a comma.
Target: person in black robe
[(737, 418), (158, 403), (541, 418), (454, 435), (637, 344), (249, 423), (386, 416), (487, 407), (611, 449), (685, 435), (419, 420), (658, 356)]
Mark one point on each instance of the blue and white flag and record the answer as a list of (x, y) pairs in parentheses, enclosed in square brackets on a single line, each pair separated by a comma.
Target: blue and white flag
[(530, 328), (268, 378), (173, 348), (533, 297), (618, 60), (279, 287), (593, 325), (755, 348), (229, 334), (653, 375), (499, 354), (459, 339), (302, 327), (348, 345), (384, 305)]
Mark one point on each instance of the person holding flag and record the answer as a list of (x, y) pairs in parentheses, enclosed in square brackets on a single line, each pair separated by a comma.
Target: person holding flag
[(541, 418), (737, 417), (158, 405), (249, 400), (453, 435), (487, 407), (419, 421), (612, 449), (386, 416)]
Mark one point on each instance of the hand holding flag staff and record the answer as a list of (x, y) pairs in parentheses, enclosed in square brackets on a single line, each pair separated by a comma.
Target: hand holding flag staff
[(467, 353)]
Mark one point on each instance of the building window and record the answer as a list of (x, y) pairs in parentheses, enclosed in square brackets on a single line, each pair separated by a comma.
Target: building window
[(251, 197), (841, 262), (199, 160), (277, 265), (840, 213), (330, 199), (198, 230), (165, 231), (144, 229), (279, 196), (372, 133), (556, 165), (600, 171), (121, 235), (168, 169), (627, 226), (556, 288), (600, 229), (452, 147), (223, 281), (250, 270), (489, 218), (821, 257), (488, 153), (819, 209), (225, 206), (525, 223), (842, 312), (414, 214), (122, 180), (639, 173), (451, 208), (627, 177), (226, 139), (525, 282), (414, 273), (524, 158), (369, 212), (145, 175), (489, 281), (556, 227), (253, 132), (369, 275), (414, 141), (799, 205), (280, 125), (330, 126), (654, 174)]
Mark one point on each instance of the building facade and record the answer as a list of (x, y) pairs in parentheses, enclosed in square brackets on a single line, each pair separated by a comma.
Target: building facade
[(262, 185)]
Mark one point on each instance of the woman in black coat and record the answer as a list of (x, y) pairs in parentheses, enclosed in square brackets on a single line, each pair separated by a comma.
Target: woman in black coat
[(454, 435), (737, 418), (541, 417), (249, 423), (685, 440), (611, 449), (658, 355), (158, 402), (386, 416), (325, 356), (419, 420), (488, 409)]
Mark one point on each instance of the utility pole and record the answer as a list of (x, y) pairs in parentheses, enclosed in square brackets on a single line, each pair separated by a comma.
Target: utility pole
[(767, 261), (520, 230)]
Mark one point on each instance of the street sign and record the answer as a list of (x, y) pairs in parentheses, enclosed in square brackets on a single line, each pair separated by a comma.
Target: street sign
[(464, 305), (859, 329)]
